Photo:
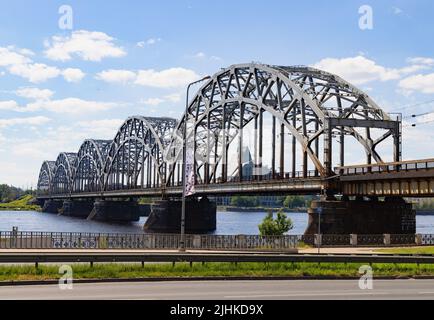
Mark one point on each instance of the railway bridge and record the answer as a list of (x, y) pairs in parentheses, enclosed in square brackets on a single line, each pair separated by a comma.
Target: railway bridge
[(251, 129)]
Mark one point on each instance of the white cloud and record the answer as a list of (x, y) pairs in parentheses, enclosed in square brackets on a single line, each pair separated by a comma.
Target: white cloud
[(9, 105), (397, 10), (149, 42), (73, 74), (215, 58), (34, 72), (87, 45), (419, 83), (70, 105), (175, 97), (116, 76), (169, 78), (202, 56), (26, 52), (421, 61), (34, 121), (101, 129), (18, 63), (9, 57), (172, 98), (42, 101), (152, 101), (34, 93), (360, 70)]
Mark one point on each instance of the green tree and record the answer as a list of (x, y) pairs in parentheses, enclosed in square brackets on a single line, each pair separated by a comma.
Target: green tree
[(294, 202), (275, 227), (9, 193), (243, 201)]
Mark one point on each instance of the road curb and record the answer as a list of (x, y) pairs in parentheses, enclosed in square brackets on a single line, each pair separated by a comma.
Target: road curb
[(229, 278)]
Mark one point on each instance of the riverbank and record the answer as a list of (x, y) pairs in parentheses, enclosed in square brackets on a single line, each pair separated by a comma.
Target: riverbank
[(210, 270), (21, 204)]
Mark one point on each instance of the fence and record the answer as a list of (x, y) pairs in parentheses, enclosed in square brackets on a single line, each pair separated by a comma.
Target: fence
[(73, 240)]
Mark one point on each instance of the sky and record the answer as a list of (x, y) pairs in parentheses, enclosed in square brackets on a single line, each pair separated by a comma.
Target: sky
[(80, 73)]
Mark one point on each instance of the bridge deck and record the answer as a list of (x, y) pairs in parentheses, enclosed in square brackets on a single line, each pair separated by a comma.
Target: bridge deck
[(292, 186), (406, 179)]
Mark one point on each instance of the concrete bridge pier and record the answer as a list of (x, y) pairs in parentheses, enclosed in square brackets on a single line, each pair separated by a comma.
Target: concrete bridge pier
[(115, 210), (76, 208), (52, 206), (391, 216), (200, 216)]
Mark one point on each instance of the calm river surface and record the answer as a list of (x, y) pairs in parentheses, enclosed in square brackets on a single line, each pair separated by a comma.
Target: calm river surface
[(227, 223)]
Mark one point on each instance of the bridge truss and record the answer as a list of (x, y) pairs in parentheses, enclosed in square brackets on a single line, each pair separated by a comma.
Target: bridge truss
[(249, 122)]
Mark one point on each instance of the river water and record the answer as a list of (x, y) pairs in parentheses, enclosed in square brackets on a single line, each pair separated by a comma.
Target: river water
[(228, 223)]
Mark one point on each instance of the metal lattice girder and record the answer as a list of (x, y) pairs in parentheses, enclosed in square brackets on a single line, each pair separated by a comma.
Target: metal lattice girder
[(89, 167), (312, 106), (305, 101), (138, 150), (64, 172), (46, 175)]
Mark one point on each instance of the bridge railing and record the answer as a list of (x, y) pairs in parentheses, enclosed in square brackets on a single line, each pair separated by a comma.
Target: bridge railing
[(77, 240), (386, 167), (276, 176), (74, 240)]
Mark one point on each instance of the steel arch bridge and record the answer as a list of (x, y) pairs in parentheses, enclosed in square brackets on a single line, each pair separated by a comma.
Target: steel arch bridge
[(289, 116)]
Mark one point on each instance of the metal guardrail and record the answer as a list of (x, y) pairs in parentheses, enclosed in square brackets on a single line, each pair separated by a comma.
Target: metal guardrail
[(209, 257), (386, 167), (76, 240)]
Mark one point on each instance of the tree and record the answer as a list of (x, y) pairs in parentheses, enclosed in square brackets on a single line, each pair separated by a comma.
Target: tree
[(275, 227), (9, 193), (243, 201), (294, 202)]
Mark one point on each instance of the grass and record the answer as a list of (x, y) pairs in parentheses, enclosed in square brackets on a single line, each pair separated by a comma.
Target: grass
[(411, 250), (20, 205), (104, 271)]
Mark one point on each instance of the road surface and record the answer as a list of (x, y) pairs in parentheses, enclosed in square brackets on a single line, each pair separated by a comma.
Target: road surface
[(229, 290)]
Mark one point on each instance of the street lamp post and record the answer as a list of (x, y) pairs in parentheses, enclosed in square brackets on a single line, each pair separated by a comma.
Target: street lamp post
[(319, 240), (184, 154)]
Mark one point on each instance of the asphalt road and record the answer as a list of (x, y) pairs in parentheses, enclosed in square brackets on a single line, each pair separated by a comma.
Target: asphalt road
[(229, 290)]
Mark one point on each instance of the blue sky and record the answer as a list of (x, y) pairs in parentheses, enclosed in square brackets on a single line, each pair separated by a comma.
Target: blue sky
[(58, 87)]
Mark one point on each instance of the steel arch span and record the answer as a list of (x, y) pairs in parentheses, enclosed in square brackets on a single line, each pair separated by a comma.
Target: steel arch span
[(46, 175), (248, 122), (89, 166), (312, 106), (136, 155), (63, 173)]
